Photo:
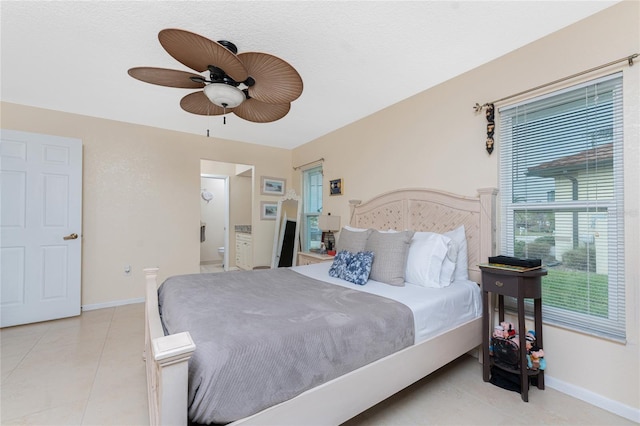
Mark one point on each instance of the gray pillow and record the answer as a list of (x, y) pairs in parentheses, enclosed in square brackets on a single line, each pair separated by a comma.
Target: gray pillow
[(352, 241), (390, 251)]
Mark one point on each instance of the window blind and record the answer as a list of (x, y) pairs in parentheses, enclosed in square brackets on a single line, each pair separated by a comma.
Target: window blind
[(562, 195)]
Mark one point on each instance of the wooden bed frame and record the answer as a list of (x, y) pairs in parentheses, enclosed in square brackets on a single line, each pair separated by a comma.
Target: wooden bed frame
[(348, 395)]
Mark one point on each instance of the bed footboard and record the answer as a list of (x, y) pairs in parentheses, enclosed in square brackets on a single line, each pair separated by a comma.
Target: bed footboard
[(166, 359)]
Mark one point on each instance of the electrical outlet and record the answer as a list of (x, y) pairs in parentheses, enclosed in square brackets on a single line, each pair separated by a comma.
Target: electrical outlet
[(127, 270)]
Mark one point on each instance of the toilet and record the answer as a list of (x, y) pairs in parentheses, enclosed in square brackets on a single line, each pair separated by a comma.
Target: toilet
[(221, 254)]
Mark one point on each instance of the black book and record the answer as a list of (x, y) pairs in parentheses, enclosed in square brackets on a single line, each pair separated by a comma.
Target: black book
[(516, 261)]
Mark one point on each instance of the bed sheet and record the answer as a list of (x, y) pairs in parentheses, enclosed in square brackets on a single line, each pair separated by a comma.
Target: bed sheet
[(435, 310)]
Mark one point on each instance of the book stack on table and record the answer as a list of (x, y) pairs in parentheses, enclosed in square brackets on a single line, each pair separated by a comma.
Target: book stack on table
[(510, 263)]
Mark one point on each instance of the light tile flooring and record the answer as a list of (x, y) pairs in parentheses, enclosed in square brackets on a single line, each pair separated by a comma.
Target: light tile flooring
[(210, 267), (88, 370)]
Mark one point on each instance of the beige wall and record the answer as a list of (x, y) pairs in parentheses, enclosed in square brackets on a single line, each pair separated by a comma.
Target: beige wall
[(141, 196), (436, 140)]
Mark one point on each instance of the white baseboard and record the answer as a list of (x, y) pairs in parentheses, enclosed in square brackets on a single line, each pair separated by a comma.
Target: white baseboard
[(593, 398), (115, 303)]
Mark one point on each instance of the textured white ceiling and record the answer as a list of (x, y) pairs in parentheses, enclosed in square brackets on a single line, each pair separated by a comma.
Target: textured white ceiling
[(355, 57)]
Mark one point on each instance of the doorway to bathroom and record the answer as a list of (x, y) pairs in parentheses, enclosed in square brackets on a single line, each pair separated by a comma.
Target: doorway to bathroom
[(226, 194), (214, 222)]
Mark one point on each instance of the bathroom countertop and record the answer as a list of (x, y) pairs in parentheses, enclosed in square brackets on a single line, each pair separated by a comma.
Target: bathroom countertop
[(245, 229)]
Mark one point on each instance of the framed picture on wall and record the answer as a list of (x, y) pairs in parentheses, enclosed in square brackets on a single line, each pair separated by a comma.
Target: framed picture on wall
[(336, 187), (268, 210), (272, 186)]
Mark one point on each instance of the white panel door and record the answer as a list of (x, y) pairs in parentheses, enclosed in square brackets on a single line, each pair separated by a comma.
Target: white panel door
[(40, 227)]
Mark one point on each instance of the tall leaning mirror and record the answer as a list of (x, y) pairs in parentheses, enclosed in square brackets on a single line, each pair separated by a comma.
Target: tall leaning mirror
[(287, 232)]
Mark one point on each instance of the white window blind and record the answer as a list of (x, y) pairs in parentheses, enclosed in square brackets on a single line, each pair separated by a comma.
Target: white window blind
[(561, 184), (312, 205)]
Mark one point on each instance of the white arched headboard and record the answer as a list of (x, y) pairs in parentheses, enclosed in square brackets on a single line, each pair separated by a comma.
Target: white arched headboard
[(435, 211)]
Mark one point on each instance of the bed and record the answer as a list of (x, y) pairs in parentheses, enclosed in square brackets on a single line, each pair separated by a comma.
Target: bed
[(350, 393)]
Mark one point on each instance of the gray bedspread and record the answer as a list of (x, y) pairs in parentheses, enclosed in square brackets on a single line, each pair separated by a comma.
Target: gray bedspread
[(265, 336)]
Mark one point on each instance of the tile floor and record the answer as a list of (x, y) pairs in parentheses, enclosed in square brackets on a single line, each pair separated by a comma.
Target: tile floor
[(210, 267), (88, 370)]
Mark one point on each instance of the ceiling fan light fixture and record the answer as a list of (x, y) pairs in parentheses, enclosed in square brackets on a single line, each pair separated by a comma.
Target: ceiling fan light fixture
[(224, 95)]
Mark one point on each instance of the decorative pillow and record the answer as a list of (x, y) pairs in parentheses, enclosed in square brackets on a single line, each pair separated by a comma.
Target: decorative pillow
[(462, 262), (359, 269), (340, 263), (352, 241), (390, 256), (431, 260)]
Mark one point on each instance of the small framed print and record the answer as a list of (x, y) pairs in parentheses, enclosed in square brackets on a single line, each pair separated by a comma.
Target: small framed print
[(268, 210), (336, 187), (272, 186)]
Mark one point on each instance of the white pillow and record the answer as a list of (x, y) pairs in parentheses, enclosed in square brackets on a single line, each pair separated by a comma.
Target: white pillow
[(462, 263), (352, 229), (431, 260)]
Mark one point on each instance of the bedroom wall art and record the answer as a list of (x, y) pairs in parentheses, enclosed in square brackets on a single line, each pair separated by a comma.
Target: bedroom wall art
[(268, 210), (336, 187), (491, 125), (272, 186)]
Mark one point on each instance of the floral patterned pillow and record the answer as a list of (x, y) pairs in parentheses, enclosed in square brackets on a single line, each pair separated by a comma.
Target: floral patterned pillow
[(359, 268), (340, 263)]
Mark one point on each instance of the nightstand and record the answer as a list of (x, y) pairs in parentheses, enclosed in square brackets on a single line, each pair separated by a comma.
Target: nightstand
[(308, 258), (521, 285)]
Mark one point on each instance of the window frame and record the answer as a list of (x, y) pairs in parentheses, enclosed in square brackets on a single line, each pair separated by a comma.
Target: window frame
[(614, 326), (307, 192)]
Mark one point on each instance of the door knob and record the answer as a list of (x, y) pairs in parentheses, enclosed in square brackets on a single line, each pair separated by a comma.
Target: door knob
[(70, 236)]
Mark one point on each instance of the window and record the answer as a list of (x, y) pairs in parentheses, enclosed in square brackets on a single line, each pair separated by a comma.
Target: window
[(561, 187), (312, 203)]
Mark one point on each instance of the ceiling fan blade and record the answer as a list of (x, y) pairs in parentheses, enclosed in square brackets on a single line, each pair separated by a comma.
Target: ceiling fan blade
[(277, 82), (198, 103), (261, 112), (198, 53), (166, 77)]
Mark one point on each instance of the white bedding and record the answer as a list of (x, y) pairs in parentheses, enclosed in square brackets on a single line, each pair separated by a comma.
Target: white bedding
[(435, 310)]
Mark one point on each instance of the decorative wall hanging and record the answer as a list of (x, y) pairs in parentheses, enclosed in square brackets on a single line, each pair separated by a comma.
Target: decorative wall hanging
[(491, 125), (268, 210), (335, 187), (272, 186)]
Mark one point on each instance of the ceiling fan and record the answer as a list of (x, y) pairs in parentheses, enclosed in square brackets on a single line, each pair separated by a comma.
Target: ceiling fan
[(255, 86)]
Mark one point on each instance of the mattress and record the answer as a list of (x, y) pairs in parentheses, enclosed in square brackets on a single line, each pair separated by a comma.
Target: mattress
[(435, 310)]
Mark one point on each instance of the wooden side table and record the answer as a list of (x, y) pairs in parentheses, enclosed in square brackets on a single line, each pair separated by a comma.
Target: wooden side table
[(308, 258), (521, 285)]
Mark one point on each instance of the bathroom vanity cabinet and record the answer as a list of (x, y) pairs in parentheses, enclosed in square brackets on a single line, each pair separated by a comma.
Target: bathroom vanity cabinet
[(244, 252)]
